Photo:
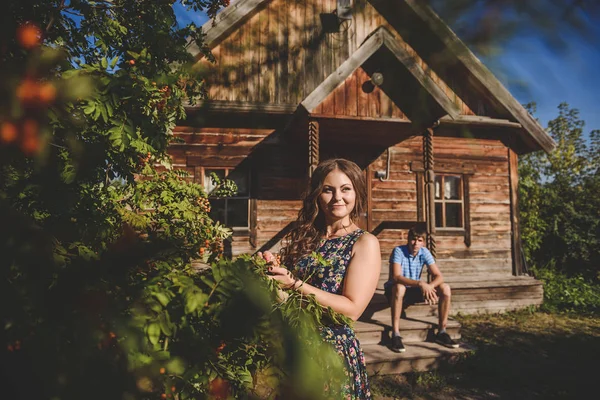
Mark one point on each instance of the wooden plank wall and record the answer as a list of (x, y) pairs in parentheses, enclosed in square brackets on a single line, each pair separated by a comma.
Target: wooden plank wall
[(278, 173), (351, 99), (214, 147), (281, 54), (486, 163)]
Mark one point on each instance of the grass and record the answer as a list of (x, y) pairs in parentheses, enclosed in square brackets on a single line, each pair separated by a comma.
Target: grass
[(520, 355)]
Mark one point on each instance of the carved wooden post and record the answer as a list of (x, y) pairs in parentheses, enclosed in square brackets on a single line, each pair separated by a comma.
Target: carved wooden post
[(429, 189), (313, 146)]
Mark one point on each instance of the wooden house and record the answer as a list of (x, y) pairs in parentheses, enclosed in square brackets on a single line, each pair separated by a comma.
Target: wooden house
[(388, 85)]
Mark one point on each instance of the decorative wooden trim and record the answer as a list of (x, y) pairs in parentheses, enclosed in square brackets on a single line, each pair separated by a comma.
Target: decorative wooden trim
[(518, 268), (313, 145), (429, 175), (466, 209), (253, 222), (223, 106), (483, 80), (420, 195), (380, 37)]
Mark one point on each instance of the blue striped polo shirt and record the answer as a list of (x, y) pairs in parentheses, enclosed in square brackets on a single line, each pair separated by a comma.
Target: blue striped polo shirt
[(411, 266)]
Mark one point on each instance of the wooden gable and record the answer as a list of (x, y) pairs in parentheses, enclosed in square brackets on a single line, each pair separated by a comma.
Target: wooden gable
[(279, 51)]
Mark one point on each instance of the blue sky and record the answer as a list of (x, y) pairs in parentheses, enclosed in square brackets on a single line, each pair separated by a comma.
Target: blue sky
[(534, 70)]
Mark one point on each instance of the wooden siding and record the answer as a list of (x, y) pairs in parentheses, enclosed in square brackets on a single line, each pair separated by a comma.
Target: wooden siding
[(214, 147), (352, 100), (282, 53), (273, 221), (486, 163)]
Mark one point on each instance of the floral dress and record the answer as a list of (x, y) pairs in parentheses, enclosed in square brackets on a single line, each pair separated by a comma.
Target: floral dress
[(330, 278)]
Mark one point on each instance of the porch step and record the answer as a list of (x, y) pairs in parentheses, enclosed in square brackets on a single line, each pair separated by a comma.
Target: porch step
[(412, 330), (421, 356), (482, 294)]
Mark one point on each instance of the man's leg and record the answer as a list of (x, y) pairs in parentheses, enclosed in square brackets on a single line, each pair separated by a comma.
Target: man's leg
[(398, 291), (395, 298), (444, 295)]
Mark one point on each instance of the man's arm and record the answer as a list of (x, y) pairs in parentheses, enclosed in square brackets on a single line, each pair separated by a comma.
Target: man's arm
[(438, 278), (399, 278)]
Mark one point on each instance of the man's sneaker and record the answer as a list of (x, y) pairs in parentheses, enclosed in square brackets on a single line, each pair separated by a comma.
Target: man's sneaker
[(445, 340), (397, 345)]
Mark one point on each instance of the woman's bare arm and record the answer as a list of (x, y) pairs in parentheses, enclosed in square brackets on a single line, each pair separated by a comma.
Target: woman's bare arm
[(361, 279)]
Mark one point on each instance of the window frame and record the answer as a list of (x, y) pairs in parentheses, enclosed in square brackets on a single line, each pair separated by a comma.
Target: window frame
[(246, 197), (443, 202)]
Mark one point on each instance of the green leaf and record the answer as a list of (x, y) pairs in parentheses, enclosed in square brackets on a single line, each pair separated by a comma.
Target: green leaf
[(164, 321), (176, 366), (153, 332), (162, 298)]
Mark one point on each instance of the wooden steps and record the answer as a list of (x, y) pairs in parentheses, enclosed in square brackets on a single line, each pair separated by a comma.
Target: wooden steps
[(421, 356), (412, 330), (470, 294)]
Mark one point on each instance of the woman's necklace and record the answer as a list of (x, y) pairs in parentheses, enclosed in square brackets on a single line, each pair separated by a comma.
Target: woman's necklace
[(334, 233)]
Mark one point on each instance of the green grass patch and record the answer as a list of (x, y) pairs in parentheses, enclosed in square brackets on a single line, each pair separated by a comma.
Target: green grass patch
[(520, 355)]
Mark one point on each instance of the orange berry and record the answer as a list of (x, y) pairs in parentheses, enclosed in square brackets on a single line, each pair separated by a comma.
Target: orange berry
[(31, 141), (27, 91), (8, 132), (162, 370), (163, 396), (47, 92), (29, 35), (132, 62), (219, 388), (173, 388), (112, 335)]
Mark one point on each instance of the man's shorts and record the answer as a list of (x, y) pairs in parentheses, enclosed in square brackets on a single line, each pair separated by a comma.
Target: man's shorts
[(413, 294)]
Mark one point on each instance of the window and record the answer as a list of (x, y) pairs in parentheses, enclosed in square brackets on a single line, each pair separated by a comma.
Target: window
[(232, 211), (449, 201)]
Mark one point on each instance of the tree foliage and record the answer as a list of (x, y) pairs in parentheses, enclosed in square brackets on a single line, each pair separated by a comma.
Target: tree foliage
[(560, 206), (99, 294)]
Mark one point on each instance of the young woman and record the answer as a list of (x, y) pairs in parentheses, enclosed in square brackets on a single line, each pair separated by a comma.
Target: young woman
[(326, 224)]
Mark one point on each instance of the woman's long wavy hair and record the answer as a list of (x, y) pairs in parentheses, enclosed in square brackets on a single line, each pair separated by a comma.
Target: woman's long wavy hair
[(311, 226)]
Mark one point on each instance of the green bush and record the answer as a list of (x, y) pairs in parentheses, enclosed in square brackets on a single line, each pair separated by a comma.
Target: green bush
[(568, 293)]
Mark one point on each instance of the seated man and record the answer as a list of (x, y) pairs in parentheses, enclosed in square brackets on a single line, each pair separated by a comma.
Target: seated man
[(405, 285)]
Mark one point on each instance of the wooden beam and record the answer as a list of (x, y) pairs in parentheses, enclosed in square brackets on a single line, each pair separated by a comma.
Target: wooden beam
[(313, 146), (476, 120), (220, 106), (518, 268), (417, 72), (215, 30), (483, 79), (366, 50)]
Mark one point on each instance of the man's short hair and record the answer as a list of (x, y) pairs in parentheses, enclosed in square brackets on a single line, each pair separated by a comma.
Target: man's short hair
[(417, 232)]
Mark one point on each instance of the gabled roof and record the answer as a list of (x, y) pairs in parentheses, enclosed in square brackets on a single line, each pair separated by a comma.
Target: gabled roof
[(379, 39), (479, 79), (227, 20), (483, 76)]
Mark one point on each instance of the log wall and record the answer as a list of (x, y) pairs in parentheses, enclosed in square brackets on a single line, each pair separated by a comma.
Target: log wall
[(283, 52), (485, 162)]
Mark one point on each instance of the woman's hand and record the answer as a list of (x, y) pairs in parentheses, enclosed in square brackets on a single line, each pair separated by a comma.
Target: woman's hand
[(284, 277), (269, 258)]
